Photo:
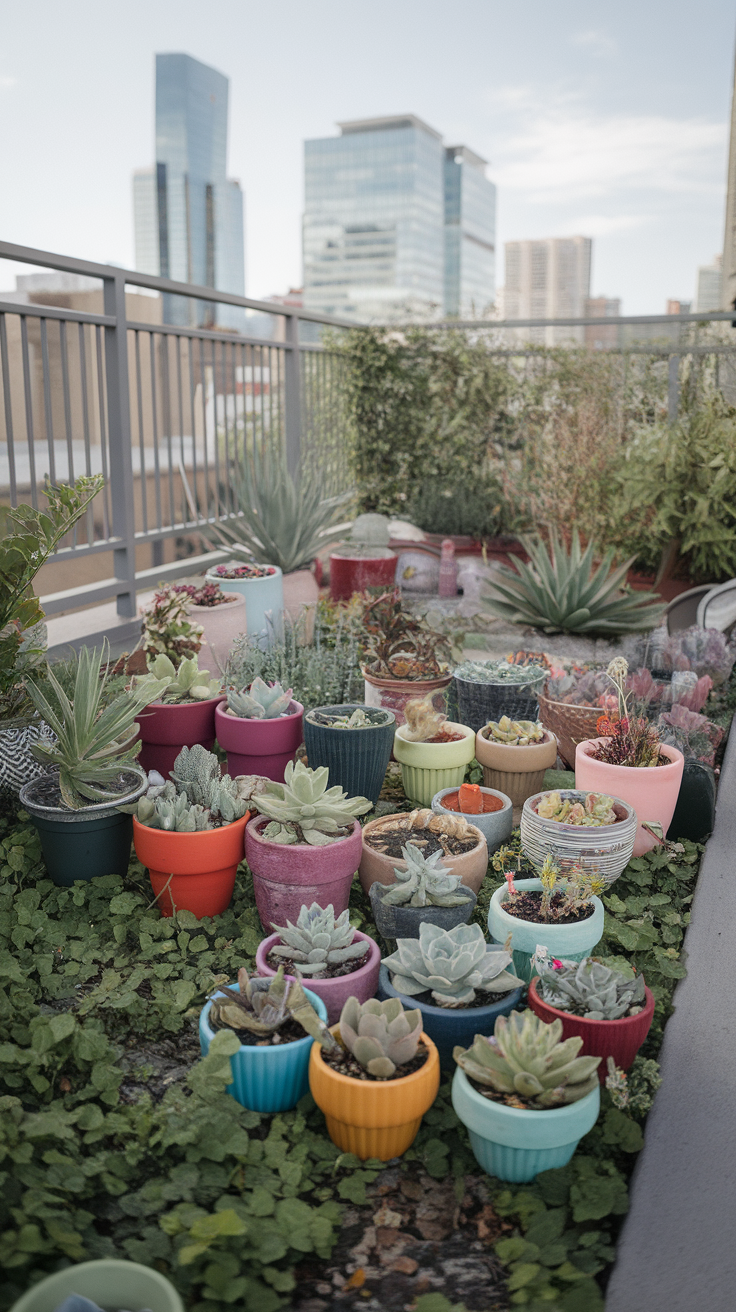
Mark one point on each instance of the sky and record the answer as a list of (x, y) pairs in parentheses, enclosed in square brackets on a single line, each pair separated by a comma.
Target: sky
[(606, 120)]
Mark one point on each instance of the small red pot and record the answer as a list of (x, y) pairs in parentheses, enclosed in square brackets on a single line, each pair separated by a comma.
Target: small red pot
[(349, 574), (620, 1039), (166, 728), (360, 984), (259, 746), (192, 872)]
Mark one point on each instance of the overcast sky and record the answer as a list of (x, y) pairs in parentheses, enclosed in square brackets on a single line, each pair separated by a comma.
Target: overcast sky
[(600, 119)]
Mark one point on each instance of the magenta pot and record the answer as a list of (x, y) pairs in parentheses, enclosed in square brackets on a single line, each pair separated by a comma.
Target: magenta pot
[(288, 877), (259, 746), (360, 984), (166, 728)]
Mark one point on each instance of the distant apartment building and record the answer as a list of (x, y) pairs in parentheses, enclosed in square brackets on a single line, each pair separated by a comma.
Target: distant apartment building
[(188, 214), (548, 279), (678, 307), (709, 289), (396, 225), (606, 335)]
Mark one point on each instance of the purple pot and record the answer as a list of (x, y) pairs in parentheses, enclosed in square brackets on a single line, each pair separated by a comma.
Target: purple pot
[(166, 728), (259, 746), (288, 877), (360, 984)]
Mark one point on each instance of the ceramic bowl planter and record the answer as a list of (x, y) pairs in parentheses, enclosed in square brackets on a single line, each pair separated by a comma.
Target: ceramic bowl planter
[(287, 877), (108, 1282), (192, 872), (495, 825), (651, 791), (264, 598), (349, 574), (472, 866), (605, 849), (570, 941), (427, 768), (166, 727), (87, 843), (259, 746), (393, 694), (356, 758), (361, 983), (448, 1026), (271, 1078), (374, 1118), (404, 921), (514, 1144), (620, 1039), (516, 771), (221, 625)]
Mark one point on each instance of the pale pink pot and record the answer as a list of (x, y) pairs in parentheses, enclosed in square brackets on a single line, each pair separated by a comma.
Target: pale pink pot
[(360, 984), (288, 877), (221, 625), (301, 594), (259, 746), (652, 792)]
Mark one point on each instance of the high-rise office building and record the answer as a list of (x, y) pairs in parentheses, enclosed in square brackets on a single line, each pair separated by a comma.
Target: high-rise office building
[(709, 287), (188, 214), (396, 226), (548, 279)]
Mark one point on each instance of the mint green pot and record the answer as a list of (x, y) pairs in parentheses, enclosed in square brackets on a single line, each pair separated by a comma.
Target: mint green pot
[(428, 768), (110, 1282), (570, 941)]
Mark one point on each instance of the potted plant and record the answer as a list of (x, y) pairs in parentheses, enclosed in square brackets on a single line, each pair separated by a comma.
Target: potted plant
[(462, 845), (433, 751), (276, 1021), (404, 657), (93, 772), (304, 846), (563, 915), (579, 829), (336, 960), (179, 713), (364, 560), (262, 588), (490, 810), (515, 755), (425, 892), (609, 1010), (106, 1282), (354, 741), (188, 831), (260, 728), (525, 1097), (629, 762), (376, 1087), (183, 609), (167, 628), (487, 690), (459, 982)]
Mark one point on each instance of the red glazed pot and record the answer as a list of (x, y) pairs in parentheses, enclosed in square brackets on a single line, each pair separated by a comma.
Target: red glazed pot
[(349, 574), (360, 984), (259, 746), (165, 729), (192, 872), (620, 1039), (288, 877)]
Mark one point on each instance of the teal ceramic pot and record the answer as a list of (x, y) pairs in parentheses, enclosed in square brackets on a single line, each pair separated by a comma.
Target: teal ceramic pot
[(109, 1282), (570, 941), (515, 1145), (264, 600), (450, 1026), (84, 844), (357, 759), (495, 826)]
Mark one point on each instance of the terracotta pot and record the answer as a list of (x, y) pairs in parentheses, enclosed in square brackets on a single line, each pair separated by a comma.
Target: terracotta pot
[(221, 625), (259, 746), (516, 771), (349, 574), (652, 792), (620, 1039), (427, 768), (360, 984), (166, 728), (472, 866), (373, 1118), (287, 877), (301, 594), (192, 872), (393, 694)]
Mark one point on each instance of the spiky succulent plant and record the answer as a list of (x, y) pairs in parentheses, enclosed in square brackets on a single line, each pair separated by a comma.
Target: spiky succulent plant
[(515, 733), (318, 940), (196, 797), (426, 882), (304, 810), (525, 1060), (262, 1006), (451, 964), (382, 1036), (182, 683), (588, 988), (262, 701), (561, 591)]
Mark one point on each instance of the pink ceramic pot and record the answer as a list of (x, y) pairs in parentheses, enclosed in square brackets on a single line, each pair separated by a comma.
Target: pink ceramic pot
[(360, 984), (286, 878), (652, 792), (221, 625), (259, 746), (165, 729), (301, 594)]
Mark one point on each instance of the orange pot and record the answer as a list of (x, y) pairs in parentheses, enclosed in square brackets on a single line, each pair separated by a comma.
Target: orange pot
[(371, 1118), (192, 872)]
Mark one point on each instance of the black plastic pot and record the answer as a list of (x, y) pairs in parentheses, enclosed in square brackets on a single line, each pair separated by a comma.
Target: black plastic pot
[(695, 812), (404, 922), (356, 758), (84, 844)]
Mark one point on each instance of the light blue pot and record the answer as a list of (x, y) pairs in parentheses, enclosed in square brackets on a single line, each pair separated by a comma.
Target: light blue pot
[(516, 1145), (573, 942), (264, 601), (495, 826), (448, 1026), (268, 1079)]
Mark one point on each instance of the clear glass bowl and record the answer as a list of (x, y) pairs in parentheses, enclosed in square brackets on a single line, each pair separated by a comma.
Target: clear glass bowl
[(603, 850)]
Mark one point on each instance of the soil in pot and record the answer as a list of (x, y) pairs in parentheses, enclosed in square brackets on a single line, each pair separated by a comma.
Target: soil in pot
[(345, 1063), (390, 843), (527, 906), (335, 971), (289, 1032)]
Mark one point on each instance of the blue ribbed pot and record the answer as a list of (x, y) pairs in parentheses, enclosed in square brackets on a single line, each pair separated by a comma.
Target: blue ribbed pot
[(448, 1027), (516, 1145), (268, 1079), (357, 759)]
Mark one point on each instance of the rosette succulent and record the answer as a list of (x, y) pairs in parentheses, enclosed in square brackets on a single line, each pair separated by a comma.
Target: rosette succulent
[(304, 810), (382, 1036), (451, 964), (595, 810), (525, 1063), (318, 940), (588, 988), (426, 882), (262, 701), (185, 683), (515, 733)]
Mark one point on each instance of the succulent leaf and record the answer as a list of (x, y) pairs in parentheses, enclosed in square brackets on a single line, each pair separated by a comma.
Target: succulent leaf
[(451, 964), (381, 1035), (525, 1056), (306, 810)]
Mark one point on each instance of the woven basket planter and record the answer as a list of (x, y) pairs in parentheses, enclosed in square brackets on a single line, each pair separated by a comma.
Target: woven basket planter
[(570, 725)]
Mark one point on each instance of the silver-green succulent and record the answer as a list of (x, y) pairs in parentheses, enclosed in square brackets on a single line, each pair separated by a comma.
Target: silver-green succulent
[(196, 797), (451, 964), (263, 1006), (304, 810), (524, 1057), (426, 882), (382, 1036), (262, 701), (588, 988), (318, 940), (185, 683)]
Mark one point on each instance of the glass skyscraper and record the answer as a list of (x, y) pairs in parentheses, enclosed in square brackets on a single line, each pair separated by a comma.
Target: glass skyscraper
[(394, 227), (188, 213)]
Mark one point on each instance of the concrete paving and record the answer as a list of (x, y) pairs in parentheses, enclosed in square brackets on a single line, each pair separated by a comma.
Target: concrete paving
[(677, 1251)]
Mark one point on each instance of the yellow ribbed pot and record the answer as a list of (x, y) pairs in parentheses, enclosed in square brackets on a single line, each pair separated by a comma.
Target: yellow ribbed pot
[(426, 768)]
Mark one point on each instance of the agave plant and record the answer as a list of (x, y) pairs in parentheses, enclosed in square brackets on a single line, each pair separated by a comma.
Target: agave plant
[(304, 810), (451, 964), (561, 591)]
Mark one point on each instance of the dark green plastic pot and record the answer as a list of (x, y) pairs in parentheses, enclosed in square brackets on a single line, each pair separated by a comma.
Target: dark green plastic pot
[(87, 843), (695, 812), (356, 758)]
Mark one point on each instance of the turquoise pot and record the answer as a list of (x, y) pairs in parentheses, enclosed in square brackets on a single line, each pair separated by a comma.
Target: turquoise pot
[(573, 942), (268, 1079), (264, 601), (516, 1145)]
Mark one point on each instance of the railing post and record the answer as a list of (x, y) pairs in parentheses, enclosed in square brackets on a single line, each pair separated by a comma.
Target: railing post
[(292, 394), (673, 389), (119, 437)]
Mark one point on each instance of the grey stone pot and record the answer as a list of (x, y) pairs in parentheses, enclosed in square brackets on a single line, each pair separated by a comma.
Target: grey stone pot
[(495, 826), (404, 922)]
